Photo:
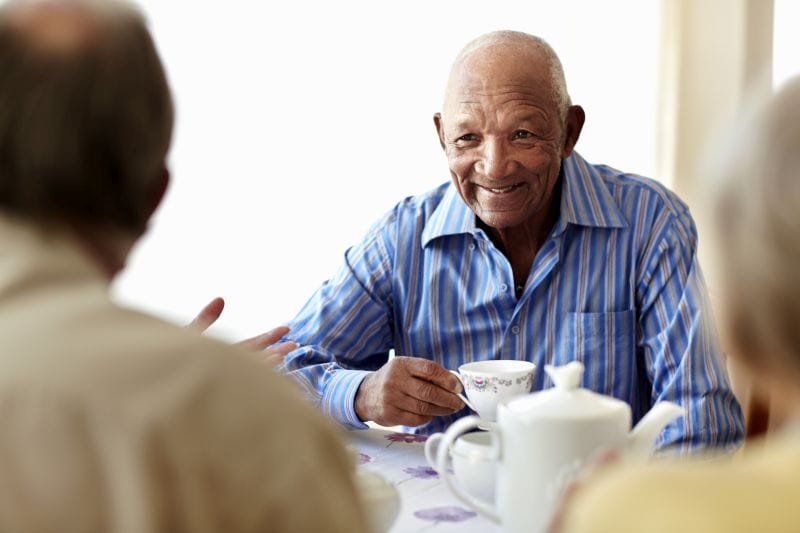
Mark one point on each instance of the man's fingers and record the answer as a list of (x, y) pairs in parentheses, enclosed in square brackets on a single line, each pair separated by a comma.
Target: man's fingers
[(209, 314), (275, 357), (432, 394), (432, 372), (419, 406), (280, 350), (259, 342)]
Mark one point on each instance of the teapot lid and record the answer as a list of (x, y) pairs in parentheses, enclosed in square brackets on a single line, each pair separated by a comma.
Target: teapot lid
[(567, 399)]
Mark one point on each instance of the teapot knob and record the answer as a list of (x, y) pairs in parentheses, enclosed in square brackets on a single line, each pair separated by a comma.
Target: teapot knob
[(567, 377)]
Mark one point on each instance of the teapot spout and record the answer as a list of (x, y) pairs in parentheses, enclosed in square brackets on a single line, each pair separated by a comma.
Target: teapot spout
[(643, 436)]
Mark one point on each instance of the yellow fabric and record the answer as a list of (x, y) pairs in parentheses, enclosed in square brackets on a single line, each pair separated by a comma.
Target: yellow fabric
[(754, 492), (113, 421)]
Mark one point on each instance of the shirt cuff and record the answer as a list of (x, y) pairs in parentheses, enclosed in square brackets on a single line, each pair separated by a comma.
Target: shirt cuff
[(340, 396)]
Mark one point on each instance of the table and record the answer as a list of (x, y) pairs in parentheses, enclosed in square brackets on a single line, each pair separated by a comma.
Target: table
[(426, 503)]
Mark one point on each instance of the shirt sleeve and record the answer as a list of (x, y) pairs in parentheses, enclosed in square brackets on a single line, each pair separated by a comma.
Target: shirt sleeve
[(679, 343), (346, 325)]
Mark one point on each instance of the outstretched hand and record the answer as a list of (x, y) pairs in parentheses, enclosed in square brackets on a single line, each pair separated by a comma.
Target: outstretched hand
[(265, 343)]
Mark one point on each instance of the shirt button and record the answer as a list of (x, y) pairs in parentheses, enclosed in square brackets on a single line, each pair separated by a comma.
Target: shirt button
[(514, 329), (503, 287), (471, 247)]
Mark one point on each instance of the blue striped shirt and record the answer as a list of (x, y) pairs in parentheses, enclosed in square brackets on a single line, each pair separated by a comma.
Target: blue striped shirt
[(616, 285)]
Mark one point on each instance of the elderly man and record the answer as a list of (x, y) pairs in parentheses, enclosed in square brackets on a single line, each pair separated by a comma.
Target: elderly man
[(112, 420), (529, 253)]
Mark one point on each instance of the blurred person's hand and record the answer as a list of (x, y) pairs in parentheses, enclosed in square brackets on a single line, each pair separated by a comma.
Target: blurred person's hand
[(265, 343)]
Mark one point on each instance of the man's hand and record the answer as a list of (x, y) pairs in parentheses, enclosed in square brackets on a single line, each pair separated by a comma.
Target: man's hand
[(265, 343), (407, 391)]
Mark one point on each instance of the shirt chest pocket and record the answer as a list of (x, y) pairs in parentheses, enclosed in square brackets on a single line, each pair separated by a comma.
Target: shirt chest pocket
[(605, 343)]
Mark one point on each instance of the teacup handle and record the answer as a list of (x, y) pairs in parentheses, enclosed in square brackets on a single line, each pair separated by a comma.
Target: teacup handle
[(462, 397), (447, 439)]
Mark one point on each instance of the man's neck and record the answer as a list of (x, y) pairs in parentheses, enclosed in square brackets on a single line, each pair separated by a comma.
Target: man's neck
[(108, 249), (520, 244)]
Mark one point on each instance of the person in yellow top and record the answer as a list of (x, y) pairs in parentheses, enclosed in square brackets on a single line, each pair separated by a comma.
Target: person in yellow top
[(757, 218), (110, 420)]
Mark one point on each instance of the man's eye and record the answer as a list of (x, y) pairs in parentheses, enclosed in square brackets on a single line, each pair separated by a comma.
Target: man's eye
[(522, 134), (467, 137)]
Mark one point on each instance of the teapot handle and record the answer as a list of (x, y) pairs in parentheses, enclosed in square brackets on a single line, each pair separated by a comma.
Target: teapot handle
[(459, 427)]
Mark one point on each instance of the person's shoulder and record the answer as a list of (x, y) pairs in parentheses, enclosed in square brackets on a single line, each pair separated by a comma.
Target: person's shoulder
[(197, 375), (620, 499), (646, 190), (423, 204), (408, 213), (103, 350), (723, 494)]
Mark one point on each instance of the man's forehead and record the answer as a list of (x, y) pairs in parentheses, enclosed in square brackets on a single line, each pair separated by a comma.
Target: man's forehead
[(516, 93), (499, 69)]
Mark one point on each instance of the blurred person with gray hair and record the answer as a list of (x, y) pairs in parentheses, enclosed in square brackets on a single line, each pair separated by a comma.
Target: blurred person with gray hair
[(113, 420), (756, 214)]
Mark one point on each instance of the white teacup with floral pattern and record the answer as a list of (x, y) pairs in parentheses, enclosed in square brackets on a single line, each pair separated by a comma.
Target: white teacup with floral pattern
[(487, 383)]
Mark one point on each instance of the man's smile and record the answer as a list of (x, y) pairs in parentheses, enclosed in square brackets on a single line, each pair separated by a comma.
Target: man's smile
[(502, 190)]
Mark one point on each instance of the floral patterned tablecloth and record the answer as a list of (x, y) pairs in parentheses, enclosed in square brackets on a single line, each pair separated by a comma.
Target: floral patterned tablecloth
[(425, 501)]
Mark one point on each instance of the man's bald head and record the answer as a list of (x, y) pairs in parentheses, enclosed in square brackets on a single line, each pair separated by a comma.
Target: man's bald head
[(506, 125), (531, 54), (57, 27), (85, 113)]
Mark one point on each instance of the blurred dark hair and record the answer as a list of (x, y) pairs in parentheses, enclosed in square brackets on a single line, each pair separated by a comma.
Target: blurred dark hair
[(84, 127)]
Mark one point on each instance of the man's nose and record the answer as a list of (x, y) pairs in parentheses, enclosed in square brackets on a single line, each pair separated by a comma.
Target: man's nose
[(495, 162)]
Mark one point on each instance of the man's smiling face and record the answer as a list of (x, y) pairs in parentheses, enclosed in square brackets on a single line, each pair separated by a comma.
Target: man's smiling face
[(503, 134)]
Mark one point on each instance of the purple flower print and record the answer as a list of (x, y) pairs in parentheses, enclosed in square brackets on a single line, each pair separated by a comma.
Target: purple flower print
[(421, 472), (448, 513), (408, 438), (363, 459)]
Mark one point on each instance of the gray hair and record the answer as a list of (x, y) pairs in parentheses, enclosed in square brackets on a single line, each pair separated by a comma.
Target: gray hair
[(757, 222), (85, 114), (558, 81)]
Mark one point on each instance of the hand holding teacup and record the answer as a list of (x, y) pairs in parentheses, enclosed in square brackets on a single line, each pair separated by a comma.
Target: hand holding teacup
[(407, 391), (488, 383)]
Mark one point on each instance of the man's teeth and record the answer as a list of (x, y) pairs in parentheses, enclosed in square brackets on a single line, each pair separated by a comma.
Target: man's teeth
[(501, 190)]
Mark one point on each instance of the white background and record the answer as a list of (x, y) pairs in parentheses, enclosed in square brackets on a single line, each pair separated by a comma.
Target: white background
[(786, 42), (299, 123)]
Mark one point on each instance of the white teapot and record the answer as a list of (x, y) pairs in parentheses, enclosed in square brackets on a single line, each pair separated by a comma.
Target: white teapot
[(542, 440)]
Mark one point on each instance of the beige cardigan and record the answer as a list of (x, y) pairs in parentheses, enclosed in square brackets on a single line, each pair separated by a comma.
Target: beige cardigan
[(757, 491), (113, 421)]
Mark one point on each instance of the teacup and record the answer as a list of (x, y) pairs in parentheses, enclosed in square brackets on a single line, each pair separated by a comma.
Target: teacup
[(474, 462), (487, 383)]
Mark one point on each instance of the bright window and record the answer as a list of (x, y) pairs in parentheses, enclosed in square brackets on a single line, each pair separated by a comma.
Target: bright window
[(299, 123)]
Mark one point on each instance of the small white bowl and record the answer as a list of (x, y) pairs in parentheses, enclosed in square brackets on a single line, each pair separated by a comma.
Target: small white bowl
[(380, 500)]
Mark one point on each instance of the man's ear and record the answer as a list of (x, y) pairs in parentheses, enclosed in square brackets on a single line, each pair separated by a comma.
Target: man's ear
[(157, 191), (574, 124), (437, 120)]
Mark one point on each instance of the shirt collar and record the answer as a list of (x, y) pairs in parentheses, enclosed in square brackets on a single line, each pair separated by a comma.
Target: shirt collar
[(585, 198), (451, 217), (585, 201)]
